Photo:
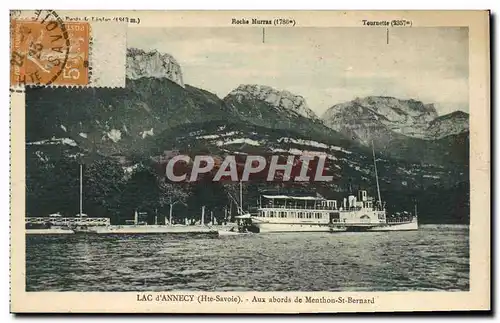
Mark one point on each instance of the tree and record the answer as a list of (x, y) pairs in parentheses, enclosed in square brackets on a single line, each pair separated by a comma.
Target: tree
[(141, 193), (51, 185), (103, 186), (170, 195), (210, 194)]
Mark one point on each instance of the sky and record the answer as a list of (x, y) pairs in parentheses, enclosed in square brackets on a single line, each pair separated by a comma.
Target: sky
[(324, 65)]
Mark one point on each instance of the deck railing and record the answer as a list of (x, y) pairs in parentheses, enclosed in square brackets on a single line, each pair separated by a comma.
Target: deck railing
[(399, 220), (300, 207)]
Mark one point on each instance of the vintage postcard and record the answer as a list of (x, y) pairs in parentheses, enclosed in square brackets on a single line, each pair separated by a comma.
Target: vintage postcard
[(249, 162)]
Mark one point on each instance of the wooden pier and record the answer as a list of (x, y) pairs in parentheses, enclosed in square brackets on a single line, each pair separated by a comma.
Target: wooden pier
[(75, 221)]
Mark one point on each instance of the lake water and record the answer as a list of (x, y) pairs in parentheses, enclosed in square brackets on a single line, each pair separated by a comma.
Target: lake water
[(433, 258)]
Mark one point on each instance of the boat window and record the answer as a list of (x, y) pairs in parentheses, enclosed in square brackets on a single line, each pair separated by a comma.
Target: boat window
[(309, 215), (300, 215), (282, 214), (271, 214), (334, 215)]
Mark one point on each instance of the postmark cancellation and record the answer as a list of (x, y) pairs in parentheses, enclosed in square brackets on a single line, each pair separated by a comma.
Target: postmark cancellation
[(49, 51)]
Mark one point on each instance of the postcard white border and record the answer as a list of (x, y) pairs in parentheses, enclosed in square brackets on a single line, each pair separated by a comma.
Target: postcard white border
[(479, 79)]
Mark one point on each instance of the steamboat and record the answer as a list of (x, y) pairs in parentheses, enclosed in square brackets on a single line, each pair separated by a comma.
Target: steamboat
[(285, 213)]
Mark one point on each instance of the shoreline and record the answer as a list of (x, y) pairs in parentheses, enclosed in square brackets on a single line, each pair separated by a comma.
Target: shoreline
[(183, 229)]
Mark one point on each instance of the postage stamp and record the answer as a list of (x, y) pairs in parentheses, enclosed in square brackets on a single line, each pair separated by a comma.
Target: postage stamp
[(46, 52), (250, 162)]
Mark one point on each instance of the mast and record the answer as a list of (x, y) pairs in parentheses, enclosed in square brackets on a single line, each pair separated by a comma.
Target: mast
[(241, 197), (202, 215), (376, 174), (81, 189)]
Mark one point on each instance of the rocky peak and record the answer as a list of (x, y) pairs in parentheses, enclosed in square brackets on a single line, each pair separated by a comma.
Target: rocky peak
[(448, 124), (456, 115), (408, 117), (279, 99), (153, 64), (398, 110)]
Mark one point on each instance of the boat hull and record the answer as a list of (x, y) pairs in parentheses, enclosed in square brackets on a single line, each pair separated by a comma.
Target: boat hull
[(291, 227), (264, 227), (224, 233), (411, 226)]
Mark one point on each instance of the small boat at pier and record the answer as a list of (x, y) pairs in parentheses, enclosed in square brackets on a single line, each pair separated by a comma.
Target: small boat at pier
[(244, 220)]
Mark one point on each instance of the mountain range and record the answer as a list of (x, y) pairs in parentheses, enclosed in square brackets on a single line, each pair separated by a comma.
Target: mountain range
[(156, 113)]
